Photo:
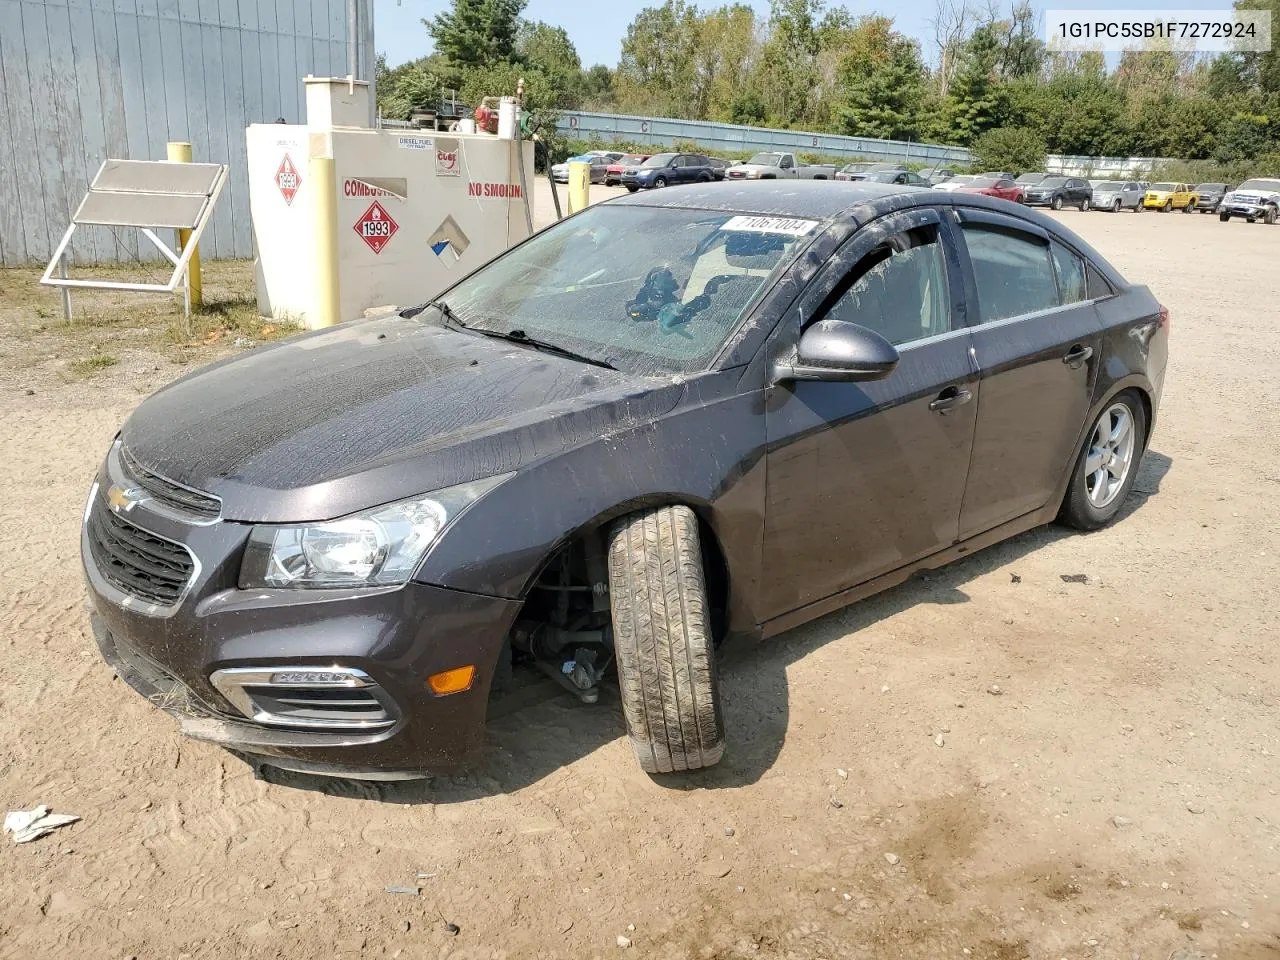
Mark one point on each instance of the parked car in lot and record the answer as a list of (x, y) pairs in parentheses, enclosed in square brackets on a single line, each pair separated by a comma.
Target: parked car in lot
[(614, 171), (940, 175), (664, 169), (860, 171), (775, 165), (652, 428), (994, 185), (1059, 192), (955, 183), (1117, 195), (1029, 180), (1257, 199), (1169, 196), (1209, 195), (599, 160), (719, 167), (900, 177)]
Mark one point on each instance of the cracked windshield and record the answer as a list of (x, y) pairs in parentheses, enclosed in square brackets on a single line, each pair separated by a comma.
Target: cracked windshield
[(648, 290)]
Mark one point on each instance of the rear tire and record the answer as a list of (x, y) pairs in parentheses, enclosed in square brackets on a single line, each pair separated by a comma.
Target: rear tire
[(662, 637), (1095, 494), (1270, 215), (1189, 208)]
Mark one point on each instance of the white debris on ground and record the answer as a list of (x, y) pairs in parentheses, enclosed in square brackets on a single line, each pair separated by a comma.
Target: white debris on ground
[(28, 825)]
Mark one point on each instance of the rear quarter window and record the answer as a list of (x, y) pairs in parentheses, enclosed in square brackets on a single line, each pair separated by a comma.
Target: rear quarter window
[(1071, 274)]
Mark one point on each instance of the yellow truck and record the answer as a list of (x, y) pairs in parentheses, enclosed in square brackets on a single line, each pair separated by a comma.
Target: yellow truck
[(1169, 196)]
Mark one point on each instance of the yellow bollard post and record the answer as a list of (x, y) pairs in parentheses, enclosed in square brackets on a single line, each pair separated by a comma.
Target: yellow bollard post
[(180, 152), (324, 224), (579, 185)]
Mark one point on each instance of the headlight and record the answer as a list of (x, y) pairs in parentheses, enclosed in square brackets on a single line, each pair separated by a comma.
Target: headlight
[(372, 548)]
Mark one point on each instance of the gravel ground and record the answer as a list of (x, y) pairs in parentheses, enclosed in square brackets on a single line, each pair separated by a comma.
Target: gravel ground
[(988, 762)]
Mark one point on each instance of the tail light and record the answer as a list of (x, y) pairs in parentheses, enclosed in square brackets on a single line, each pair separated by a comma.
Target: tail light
[(1164, 317)]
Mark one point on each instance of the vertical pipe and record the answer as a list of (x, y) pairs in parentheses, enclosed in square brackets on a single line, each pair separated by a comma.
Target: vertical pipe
[(353, 39), (324, 226), (180, 152), (66, 291)]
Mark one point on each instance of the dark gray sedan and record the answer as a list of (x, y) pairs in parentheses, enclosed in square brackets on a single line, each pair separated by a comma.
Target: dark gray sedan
[(675, 420)]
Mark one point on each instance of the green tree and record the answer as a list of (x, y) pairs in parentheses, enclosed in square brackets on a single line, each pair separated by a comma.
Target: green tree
[(884, 97), (1243, 137), (974, 99), (725, 49), (477, 33), (1015, 149), (787, 71), (659, 52)]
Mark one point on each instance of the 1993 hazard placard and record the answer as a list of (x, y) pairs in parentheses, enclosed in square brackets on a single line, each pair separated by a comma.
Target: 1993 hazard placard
[(375, 226)]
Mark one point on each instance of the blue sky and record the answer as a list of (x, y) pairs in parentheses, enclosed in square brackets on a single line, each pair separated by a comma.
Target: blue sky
[(597, 29)]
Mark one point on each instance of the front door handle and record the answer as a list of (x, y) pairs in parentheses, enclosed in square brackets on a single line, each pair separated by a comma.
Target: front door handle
[(1077, 355), (949, 399)]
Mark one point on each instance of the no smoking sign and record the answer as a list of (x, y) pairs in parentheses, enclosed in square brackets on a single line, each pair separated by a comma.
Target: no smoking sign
[(375, 226)]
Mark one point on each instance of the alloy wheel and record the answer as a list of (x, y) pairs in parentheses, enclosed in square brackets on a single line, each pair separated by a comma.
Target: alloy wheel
[(1110, 456)]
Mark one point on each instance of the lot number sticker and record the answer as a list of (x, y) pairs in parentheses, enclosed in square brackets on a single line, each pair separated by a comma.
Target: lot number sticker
[(376, 228), (784, 225)]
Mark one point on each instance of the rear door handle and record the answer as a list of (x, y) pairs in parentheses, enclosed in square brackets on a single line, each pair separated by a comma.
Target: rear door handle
[(1077, 355), (949, 399)]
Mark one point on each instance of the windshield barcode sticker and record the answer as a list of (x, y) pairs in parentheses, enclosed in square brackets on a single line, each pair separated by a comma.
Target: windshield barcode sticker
[(785, 225)]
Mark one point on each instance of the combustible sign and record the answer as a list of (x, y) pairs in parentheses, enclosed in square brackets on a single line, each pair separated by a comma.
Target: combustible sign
[(287, 179), (376, 228)]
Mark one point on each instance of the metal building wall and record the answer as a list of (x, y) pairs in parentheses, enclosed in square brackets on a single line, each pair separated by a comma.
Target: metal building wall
[(83, 80)]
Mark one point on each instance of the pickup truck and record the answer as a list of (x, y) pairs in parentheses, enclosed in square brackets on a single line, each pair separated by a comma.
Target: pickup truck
[(779, 166)]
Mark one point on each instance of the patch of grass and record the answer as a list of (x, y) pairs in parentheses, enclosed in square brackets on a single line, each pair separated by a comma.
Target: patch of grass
[(124, 320), (87, 366)]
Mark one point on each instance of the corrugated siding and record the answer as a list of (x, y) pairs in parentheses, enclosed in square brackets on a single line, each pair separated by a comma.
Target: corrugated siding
[(83, 80)]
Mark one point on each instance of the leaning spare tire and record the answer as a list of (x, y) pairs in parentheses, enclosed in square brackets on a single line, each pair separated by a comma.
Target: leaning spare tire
[(662, 638)]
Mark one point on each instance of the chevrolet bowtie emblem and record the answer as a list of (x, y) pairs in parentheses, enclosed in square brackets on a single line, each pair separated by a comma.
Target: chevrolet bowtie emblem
[(123, 499)]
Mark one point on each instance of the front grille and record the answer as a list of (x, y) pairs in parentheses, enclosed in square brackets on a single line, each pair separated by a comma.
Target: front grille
[(199, 505), (137, 562)]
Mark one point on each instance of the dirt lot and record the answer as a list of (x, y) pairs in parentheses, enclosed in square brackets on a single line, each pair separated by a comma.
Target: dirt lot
[(987, 763)]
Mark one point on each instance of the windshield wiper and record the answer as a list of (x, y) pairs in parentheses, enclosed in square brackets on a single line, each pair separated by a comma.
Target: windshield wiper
[(519, 336), (445, 311)]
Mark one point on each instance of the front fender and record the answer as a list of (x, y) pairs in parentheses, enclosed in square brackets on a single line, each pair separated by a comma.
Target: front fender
[(707, 452)]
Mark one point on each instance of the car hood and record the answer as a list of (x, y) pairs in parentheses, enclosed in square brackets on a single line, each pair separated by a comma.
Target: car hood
[(374, 411)]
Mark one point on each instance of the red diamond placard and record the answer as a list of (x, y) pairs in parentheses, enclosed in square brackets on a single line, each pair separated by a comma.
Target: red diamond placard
[(376, 227), (287, 179)]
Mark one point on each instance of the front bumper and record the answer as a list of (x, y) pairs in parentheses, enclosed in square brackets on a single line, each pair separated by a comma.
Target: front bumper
[(1237, 209), (399, 636)]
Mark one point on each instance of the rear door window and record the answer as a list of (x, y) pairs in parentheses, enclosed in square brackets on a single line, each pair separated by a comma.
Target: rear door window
[(1012, 270)]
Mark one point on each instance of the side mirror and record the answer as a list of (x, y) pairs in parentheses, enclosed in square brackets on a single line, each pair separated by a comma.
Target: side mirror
[(837, 350)]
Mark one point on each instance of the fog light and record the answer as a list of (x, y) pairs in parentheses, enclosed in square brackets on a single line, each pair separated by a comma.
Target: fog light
[(452, 681)]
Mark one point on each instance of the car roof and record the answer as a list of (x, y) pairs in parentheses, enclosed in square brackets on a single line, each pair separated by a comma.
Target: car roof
[(808, 199), (830, 200)]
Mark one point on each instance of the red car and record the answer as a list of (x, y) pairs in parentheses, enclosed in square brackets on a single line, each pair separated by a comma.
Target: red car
[(613, 172), (1003, 187)]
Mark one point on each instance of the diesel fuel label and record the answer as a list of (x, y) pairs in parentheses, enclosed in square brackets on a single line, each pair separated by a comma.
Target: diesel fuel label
[(1221, 30)]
